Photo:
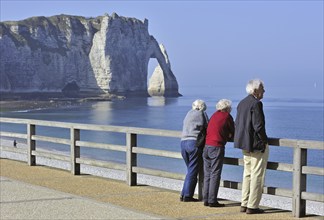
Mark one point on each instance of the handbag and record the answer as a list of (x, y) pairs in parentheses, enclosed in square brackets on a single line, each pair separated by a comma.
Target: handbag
[(201, 138)]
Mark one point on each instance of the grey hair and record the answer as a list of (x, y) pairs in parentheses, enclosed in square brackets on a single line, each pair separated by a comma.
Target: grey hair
[(253, 85), (199, 105), (224, 104)]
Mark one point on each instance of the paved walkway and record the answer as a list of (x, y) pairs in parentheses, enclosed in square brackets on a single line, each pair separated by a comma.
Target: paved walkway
[(40, 192), (21, 200)]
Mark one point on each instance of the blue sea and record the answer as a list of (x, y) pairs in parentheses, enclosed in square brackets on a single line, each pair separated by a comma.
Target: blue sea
[(291, 116)]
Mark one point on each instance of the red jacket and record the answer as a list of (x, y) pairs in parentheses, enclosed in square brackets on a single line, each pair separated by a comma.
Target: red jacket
[(220, 129)]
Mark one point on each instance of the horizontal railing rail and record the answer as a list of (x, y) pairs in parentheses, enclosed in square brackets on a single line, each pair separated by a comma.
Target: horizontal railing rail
[(299, 166)]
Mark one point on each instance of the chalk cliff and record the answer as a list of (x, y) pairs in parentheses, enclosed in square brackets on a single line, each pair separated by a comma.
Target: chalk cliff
[(106, 54)]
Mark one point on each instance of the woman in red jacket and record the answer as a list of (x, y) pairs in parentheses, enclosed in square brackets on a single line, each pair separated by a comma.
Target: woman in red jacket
[(220, 130)]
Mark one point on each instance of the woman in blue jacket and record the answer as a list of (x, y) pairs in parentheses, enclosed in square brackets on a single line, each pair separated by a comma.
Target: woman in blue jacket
[(195, 120)]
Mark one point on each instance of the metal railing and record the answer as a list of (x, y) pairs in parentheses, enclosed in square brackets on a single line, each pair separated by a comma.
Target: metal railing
[(299, 167)]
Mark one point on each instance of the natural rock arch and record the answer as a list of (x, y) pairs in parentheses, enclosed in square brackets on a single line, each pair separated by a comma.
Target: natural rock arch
[(108, 54), (162, 81)]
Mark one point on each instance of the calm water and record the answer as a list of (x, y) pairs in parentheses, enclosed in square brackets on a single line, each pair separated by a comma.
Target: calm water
[(286, 117)]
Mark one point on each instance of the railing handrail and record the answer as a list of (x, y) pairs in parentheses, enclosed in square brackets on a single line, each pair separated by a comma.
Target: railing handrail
[(299, 167), (95, 127), (307, 144)]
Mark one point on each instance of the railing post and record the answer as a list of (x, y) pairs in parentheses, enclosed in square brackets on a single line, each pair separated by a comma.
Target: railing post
[(75, 151), (31, 144), (299, 182), (131, 159)]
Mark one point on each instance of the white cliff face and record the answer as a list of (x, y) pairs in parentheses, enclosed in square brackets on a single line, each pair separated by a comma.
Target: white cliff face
[(105, 54), (98, 59)]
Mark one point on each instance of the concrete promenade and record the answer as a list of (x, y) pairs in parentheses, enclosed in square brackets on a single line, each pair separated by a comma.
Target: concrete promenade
[(41, 192)]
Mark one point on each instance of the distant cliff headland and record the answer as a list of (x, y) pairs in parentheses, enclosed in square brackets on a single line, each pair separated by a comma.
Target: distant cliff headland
[(77, 56)]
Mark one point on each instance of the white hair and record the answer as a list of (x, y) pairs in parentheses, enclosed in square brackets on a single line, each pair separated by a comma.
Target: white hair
[(199, 105), (253, 85), (224, 104)]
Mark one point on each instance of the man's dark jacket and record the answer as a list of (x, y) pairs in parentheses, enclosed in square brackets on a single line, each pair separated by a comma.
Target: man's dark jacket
[(249, 120)]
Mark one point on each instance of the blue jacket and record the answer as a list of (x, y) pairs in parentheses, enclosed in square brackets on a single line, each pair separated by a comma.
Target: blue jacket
[(249, 121)]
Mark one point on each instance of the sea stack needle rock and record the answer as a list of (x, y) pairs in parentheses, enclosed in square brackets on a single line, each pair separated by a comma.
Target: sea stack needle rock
[(106, 54)]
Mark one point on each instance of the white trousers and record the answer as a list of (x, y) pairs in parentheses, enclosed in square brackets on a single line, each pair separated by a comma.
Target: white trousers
[(255, 164)]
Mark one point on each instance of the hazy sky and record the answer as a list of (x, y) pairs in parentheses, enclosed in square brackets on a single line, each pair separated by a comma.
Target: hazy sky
[(214, 43)]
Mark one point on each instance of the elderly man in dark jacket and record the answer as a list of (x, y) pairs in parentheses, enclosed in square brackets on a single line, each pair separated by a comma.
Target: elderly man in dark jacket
[(250, 136)]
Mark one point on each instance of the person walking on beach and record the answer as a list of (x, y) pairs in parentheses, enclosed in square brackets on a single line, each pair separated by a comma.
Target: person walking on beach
[(220, 130), (250, 136), (195, 120)]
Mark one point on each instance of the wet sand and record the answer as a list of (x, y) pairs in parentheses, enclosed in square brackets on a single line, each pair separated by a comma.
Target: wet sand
[(6, 106), (29, 102)]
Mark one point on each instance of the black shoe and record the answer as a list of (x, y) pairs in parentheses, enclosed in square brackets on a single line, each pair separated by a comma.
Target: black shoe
[(254, 211), (216, 204), (181, 198), (190, 199), (243, 209), (206, 204)]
